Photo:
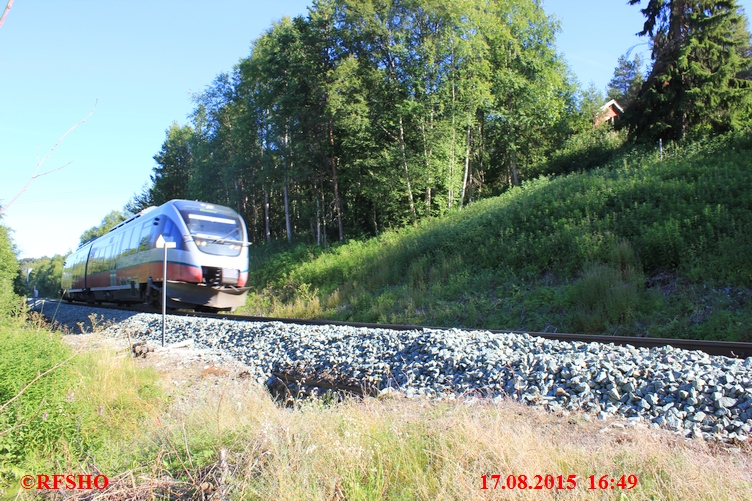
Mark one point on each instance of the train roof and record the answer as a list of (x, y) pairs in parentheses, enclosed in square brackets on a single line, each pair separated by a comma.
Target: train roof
[(148, 209), (179, 204)]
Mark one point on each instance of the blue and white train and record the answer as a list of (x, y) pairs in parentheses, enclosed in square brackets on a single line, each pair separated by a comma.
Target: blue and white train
[(207, 269)]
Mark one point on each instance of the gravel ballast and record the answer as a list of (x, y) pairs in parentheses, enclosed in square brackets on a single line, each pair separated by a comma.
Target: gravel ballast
[(688, 392)]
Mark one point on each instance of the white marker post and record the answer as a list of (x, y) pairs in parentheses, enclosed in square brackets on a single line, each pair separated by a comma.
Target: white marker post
[(161, 244)]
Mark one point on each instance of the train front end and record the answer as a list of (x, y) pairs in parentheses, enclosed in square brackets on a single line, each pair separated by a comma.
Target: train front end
[(215, 246)]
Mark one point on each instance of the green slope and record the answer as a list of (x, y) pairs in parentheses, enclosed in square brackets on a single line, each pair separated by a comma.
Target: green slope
[(641, 246)]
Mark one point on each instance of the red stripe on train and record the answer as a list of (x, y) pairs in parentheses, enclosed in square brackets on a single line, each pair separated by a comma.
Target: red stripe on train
[(141, 273)]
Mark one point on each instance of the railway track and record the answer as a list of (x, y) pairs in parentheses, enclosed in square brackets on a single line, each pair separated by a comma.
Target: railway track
[(684, 389), (723, 348)]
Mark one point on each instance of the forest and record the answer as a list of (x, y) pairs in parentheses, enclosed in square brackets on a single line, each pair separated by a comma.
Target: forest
[(362, 116)]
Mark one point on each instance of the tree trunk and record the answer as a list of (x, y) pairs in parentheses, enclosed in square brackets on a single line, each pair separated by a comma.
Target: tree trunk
[(450, 193), (677, 24), (467, 167), (254, 211), (288, 225), (513, 167), (426, 157), (324, 240), (317, 231), (267, 233), (337, 202), (407, 172)]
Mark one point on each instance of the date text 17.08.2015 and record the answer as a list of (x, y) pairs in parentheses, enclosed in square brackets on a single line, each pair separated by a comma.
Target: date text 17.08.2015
[(559, 482)]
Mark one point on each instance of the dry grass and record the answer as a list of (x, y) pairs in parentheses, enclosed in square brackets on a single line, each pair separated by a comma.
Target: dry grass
[(221, 436), (405, 449)]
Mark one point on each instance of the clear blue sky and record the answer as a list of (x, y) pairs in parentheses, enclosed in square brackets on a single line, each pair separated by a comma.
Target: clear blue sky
[(141, 61)]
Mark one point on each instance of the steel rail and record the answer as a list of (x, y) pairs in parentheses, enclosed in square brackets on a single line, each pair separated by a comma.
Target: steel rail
[(730, 349)]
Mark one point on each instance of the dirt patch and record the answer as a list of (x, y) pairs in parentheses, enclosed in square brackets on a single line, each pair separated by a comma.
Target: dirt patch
[(179, 365)]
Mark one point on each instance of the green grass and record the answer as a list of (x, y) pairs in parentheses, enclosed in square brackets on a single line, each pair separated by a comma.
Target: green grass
[(543, 256), (58, 407)]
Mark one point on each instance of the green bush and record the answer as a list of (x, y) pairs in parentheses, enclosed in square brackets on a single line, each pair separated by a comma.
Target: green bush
[(9, 302), (45, 275), (587, 150), (59, 409), (37, 420), (607, 295)]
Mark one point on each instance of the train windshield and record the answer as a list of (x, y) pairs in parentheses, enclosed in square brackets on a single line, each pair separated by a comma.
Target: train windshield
[(220, 234)]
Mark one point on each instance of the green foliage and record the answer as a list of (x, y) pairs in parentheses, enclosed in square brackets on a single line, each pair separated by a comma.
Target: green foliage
[(627, 80), (140, 201), (45, 275), (56, 408), (552, 253), (171, 176), (363, 116), (607, 295), (40, 418), (9, 302), (591, 148), (699, 52), (111, 220)]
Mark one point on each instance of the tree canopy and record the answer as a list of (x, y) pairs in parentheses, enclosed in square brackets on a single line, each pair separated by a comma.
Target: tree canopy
[(700, 52), (627, 80), (369, 114), (111, 220), (8, 273)]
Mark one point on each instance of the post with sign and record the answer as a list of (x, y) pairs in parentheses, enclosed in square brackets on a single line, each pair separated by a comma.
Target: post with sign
[(164, 245)]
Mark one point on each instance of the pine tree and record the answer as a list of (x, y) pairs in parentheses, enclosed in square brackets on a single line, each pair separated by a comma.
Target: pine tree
[(627, 80), (695, 84)]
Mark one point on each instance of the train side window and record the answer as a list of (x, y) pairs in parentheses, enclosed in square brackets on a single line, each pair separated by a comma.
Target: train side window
[(125, 243), (135, 239), (94, 261), (117, 249), (143, 243)]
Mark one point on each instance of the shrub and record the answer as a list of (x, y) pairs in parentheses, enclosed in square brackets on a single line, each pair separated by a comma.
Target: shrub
[(57, 408), (9, 302), (40, 416), (607, 294), (585, 151)]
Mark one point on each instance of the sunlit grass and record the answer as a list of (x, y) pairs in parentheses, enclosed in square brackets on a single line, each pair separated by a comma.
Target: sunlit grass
[(61, 407), (419, 450), (528, 259)]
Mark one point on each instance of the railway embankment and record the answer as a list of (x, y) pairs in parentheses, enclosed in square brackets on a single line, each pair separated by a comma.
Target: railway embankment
[(688, 392), (189, 421)]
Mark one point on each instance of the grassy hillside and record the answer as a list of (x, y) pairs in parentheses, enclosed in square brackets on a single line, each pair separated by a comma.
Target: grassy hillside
[(641, 246)]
